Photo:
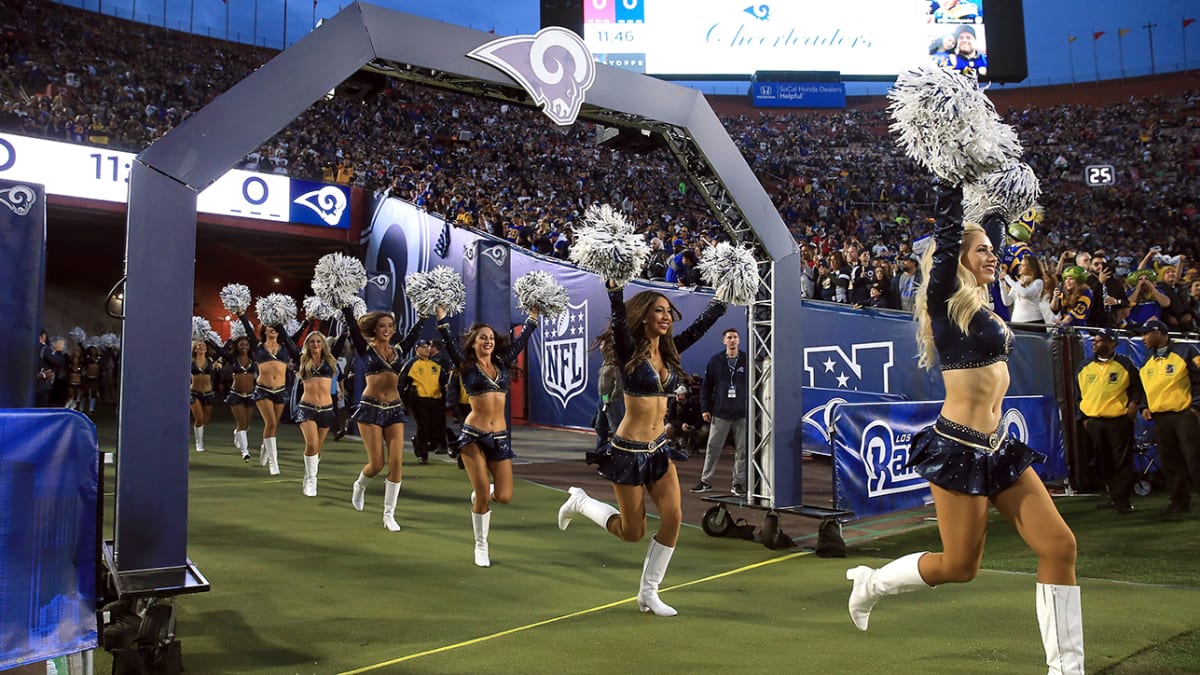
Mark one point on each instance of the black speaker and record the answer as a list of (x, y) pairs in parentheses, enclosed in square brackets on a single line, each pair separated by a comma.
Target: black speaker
[(565, 13)]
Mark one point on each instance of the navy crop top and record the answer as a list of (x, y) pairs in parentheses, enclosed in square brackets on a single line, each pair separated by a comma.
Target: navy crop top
[(227, 355), (258, 351), (474, 380), (206, 370), (988, 339), (375, 363), (644, 380)]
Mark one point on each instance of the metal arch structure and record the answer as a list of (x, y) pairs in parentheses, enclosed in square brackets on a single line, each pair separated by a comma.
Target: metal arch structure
[(149, 549)]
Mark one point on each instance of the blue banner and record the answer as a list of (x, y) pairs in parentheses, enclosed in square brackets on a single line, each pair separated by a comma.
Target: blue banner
[(871, 443), (819, 405), (23, 278), (48, 495), (561, 365), (320, 204), (799, 94)]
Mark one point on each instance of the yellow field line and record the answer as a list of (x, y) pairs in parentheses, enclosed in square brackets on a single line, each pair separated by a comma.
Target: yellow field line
[(564, 617)]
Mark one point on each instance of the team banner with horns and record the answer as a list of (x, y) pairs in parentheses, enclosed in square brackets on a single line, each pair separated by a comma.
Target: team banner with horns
[(871, 444), (23, 278), (561, 366)]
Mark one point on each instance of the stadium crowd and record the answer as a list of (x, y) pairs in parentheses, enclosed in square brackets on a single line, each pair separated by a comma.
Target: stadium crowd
[(851, 199)]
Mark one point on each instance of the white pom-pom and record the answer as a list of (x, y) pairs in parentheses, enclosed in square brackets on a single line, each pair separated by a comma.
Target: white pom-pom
[(315, 308), (732, 271), (291, 327), (1010, 190), (77, 335), (235, 297), (110, 341), (337, 279), (93, 341), (944, 122), (276, 309), (200, 329), (541, 291), (439, 287), (607, 245), (358, 307), (214, 337), (236, 330)]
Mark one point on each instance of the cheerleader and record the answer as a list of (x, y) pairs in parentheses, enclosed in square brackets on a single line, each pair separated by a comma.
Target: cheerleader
[(380, 412), (315, 413), (74, 381), (92, 363), (243, 372), (201, 394), (483, 447), (272, 351)]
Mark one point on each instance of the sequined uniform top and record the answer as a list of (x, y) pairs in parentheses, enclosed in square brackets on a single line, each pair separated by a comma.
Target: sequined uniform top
[(474, 380), (643, 380), (258, 351), (323, 369), (228, 356), (375, 363), (987, 340)]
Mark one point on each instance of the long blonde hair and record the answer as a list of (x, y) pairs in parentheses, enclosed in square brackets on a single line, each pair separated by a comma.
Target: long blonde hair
[(307, 368), (968, 298)]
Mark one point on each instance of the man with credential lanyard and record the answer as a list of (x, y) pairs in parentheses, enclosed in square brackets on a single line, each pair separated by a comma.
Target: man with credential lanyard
[(723, 400)]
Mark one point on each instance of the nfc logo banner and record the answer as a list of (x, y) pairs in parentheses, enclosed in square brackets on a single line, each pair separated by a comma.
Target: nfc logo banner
[(866, 368)]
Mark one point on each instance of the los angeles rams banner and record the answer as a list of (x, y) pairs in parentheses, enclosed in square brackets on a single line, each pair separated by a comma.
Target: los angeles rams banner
[(871, 443), (23, 278), (819, 405), (48, 497), (561, 366)]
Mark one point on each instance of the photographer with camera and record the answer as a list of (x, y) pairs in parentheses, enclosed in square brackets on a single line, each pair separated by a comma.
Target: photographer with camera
[(1145, 300), (1110, 291)]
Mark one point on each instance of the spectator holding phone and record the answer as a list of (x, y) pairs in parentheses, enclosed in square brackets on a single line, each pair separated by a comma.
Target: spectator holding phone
[(1145, 300), (1073, 299)]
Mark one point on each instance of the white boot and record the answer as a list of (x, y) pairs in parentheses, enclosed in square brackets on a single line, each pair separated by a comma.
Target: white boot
[(653, 571), (262, 453), (491, 493), (242, 443), (272, 456), (899, 576), (309, 487), (1060, 616), (199, 438), (481, 522), (390, 492), (358, 496), (580, 504)]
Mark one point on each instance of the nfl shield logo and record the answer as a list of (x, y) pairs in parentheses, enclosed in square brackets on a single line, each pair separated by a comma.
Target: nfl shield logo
[(564, 354)]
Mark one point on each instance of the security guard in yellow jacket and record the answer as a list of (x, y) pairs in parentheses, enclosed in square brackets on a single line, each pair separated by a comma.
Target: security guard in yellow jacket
[(425, 400), (1109, 393), (1171, 378)]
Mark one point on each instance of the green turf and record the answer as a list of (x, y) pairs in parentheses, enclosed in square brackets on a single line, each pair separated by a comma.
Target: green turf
[(308, 585)]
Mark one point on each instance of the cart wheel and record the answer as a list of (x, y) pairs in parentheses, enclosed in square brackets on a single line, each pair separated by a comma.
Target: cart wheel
[(717, 521), (1142, 488)]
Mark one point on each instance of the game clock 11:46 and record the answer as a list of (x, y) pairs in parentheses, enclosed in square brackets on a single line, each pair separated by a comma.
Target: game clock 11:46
[(612, 35)]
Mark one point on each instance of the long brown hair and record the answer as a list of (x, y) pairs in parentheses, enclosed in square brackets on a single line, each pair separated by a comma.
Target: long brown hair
[(637, 310), (366, 323), (471, 360)]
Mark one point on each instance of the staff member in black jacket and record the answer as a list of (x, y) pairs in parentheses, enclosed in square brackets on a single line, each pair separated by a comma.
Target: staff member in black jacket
[(1109, 393), (1171, 378), (723, 399)]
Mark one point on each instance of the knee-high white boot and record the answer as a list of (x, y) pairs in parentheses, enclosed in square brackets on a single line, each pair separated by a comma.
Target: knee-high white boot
[(580, 504), (358, 496), (653, 571), (242, 443), (272, 456), (309, 486), (1060, 616), (899, 576), (390, 492), (262, 453), (199, 438), (482, 523), (491, 493)]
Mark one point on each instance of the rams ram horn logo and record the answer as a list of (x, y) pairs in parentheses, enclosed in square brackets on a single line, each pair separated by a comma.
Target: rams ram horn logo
[(328, 203), (554, 66)]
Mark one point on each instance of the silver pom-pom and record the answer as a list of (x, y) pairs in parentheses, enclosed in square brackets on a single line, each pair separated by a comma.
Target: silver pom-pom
[(236, 298), (77, 335), (338, 278), (200, 329), (541, 291), (1009, 191), (606, 244), (93, 341), (315, 308), (276, 309), (944, 122), (236, 330), (439, 287), (214, 337), (732, 271), (358, 307), (110, 341), (291, 327)]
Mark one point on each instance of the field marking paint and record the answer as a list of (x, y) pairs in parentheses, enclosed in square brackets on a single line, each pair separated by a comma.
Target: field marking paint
[(564, 617)]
